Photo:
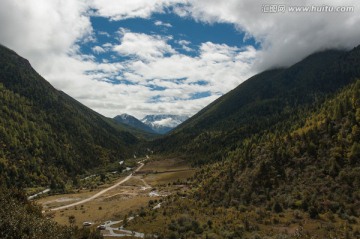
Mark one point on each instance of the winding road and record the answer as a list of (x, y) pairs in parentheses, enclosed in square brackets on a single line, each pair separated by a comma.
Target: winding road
[(99, 193), (121, 232)]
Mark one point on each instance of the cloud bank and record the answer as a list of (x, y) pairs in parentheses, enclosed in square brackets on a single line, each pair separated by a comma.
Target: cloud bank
[(285, 37), (154, 77)]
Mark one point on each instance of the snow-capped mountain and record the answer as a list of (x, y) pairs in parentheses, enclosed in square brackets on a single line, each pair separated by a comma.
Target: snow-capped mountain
[(163, 123), (134, 122)]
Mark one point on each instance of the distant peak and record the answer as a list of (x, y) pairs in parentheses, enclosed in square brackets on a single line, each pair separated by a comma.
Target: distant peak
[(163, 123), (133, 122), (124, 116)]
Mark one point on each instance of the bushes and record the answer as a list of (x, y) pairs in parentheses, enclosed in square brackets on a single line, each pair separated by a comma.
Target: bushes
[(185, 224), (277, 208), (21, 219), (313, 213)]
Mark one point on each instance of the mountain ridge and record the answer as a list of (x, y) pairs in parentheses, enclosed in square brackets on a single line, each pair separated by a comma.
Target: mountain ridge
[(305, 168), (250, 107), (164, 123), (46, 136), (279, 150), (133, 122)]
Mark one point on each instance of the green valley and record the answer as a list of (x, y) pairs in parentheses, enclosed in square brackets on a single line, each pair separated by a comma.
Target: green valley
[(277, 157)]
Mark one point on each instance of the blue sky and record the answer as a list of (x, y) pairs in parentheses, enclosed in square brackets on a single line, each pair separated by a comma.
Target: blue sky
[(165, 56), (166, 37), (170, 25), (184, 35)]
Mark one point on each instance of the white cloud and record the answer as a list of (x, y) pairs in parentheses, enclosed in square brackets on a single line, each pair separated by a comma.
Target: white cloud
[(285, 37), (107, 46), (98, 49), (59, 61), (184, 42), (141, 45), (185, 45), (48, 34), (179, 74), (166, 83), (44, 29), (163, 24), (124, 9), (103, 33)]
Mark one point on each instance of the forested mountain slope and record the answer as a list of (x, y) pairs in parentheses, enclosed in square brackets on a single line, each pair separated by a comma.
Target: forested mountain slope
[(315, 165), (298, 179), (46, 137), (260, 103)]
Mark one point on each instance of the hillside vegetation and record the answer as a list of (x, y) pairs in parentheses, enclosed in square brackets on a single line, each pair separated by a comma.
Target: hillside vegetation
[(21, 219), (296, 182), (46, 137), (279, 156), (259, 103), (316, 166)]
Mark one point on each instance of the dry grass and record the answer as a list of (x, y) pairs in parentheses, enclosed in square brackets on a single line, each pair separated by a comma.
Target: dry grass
[(117, 203), (166, 178), (159, 172), (110, 210), (160, 165)]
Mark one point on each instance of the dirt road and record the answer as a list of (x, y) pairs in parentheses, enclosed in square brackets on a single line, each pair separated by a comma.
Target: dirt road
[(99, 193)]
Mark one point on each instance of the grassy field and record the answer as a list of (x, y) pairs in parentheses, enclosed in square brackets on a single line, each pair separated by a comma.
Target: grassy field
[(156, 179), (250, 222), (162, 172)]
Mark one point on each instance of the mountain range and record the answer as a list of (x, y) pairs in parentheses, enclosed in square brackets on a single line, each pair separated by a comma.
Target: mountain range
[(133, 122), (282, 148), (159, 124)]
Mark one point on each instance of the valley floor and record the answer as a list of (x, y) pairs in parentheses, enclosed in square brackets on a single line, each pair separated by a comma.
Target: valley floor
[(126, 198), (154, 200)]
